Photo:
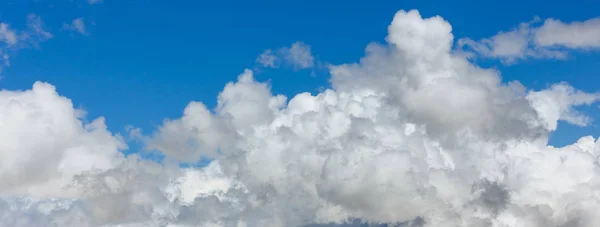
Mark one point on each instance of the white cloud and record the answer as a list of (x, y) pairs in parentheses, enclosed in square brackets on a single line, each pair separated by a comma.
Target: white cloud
[(508, 46), (531, 40), (77, 25), (45, 144), (556, 104), (576, 35), (411, 133), (298, 55)]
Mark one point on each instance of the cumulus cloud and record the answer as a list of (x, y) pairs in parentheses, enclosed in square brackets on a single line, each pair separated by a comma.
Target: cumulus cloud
[(77, 25), (550, 39), (45, 143), (298, 55), (12, 40), (411, 135)]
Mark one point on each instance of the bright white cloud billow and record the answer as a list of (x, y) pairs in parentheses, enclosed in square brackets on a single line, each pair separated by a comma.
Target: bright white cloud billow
[(413, 135), (45, 144), (549, 39), (298, 55)]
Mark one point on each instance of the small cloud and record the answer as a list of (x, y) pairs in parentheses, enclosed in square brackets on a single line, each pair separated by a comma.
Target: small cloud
[(36, 31), (268, 59), (77, 25), (7, 34), (298, 55), (135, 134), (93, 2)]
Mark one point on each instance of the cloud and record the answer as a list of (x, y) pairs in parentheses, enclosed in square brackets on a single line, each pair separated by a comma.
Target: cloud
[(298, 55), (45, 143), (12, 40), (556, 104), (574, 35), (36, 30), (411, 135), (7, 35), (268, 59), (532, 40), (93, 2), (77, 25)]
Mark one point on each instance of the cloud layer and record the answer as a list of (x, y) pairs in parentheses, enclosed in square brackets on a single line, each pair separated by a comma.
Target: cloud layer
[(412, 135)]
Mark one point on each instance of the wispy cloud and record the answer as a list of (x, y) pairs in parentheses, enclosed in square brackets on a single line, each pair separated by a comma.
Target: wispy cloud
[(533, 39), (12, 40), (268, 59), (298, 55), (77, 25), (93, 2)]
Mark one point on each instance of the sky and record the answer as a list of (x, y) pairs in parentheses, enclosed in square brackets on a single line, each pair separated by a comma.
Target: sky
[(141, 61), (90, 85)]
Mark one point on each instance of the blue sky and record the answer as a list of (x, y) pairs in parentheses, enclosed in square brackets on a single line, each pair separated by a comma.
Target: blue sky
[(142, 61)]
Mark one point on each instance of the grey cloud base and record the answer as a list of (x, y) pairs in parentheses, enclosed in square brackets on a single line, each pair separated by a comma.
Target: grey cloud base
[(412, 135)]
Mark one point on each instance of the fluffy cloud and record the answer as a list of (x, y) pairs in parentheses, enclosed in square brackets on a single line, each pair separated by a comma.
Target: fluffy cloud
[(534, 40), (412, 135), (77, 25), (298, 55), (45, 144)]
